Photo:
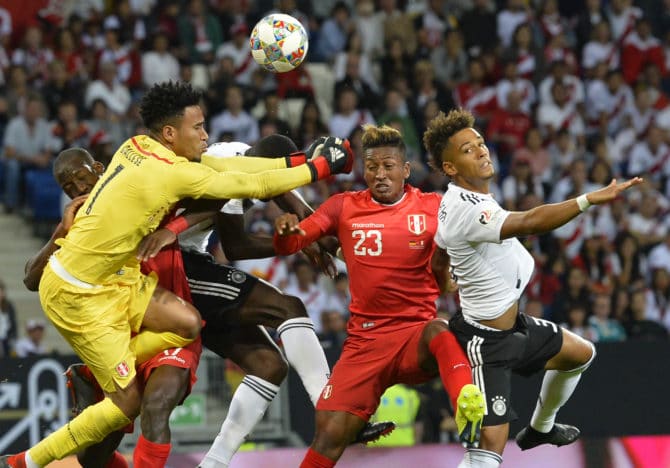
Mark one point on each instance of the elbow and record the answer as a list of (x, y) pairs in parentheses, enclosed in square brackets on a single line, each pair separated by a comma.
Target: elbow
[(31, 283)]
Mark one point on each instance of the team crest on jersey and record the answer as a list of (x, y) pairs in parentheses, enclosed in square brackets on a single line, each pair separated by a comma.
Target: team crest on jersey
[(238, 277), (416, 223), (122, 369), (485, 217), (327, 391)]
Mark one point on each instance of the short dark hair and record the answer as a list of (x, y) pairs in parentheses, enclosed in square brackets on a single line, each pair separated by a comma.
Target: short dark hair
[(70, 155), (165, 102), (272, 146), (384, 135), (441, 129)]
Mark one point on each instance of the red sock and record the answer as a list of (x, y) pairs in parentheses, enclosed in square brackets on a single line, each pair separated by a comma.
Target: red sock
[(314, 459), (150, 454), (117, 461), (17, 461), (454, 366)]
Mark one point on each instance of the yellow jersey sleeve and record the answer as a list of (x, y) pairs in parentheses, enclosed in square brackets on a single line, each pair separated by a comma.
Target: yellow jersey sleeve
[(250, 165)]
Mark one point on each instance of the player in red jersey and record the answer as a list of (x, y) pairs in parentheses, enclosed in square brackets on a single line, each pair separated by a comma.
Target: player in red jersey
[(386, 236)]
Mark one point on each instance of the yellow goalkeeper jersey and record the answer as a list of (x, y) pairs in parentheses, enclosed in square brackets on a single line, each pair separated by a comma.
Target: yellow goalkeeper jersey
[(143, 182)]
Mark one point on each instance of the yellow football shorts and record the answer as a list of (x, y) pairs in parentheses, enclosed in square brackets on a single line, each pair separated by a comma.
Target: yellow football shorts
[(97, 322)]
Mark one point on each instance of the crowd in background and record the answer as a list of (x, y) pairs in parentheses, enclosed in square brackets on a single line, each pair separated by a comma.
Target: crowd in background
[(567, 94)]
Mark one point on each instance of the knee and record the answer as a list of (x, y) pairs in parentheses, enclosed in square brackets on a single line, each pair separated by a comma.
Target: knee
[(272, 368), (434, 328), (128, 400), (588, 355), (293, 308), (191, 324), (156, 408)]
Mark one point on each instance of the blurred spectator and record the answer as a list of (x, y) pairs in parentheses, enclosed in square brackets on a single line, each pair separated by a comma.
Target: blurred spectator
[(31, 344), (33, 56), (607, 101), (5, 26), (622, 16), (631, 265), (588, 20), (524, 53), (508, 19), (67, 129), (561, 114), (7, 322), (513, 82), (127, 61), (28, 144), (17, 90), (359, 79), (132, 29), (607, 328), (311, 125), (536, 155), (303, 286), (158, 64), (575, 293), (658, 297), (641, 114), (66, 51), (640, 48), (103, 121), (426, 88), (234, 120), (109, 89), (93, 36), (559, 72), (396, 62), (550, 20), (659, 256), (639, 327), (508, 127), (239, 50), (348, 114), (396, 109), (396, 22), (534, 308), (650, 157), (600, 49), (166, 20), (450, 60), (475, 94), (271, 116), (200, 32), (370, 29), (646, 224), (332, 36), (578, 324), (597, 263), (479, 27), (59, 88), (519, 182)]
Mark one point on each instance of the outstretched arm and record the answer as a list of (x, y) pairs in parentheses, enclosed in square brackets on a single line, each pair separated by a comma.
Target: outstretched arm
[(545, 218), (292, 235), (35, 266)]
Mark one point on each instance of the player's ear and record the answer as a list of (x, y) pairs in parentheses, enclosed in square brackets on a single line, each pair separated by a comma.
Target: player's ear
[(406, 170), (449, 168), (98, 167), (168, 132)]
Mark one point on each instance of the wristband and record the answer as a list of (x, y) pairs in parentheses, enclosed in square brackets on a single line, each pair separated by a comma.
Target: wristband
[(583, 203), (296, 159), (319, 168), (177, 225)]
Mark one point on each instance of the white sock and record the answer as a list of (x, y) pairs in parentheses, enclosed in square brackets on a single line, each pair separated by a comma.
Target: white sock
[(304, 352), (249, 403), (557, 387), (29, 461), (478, 458)]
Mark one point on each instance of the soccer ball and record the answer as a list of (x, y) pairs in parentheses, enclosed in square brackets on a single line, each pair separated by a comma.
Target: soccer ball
[(279, 43)]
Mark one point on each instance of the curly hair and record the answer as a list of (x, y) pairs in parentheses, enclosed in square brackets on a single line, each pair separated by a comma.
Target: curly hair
[(441, 129), (164, 104), (384, 135)]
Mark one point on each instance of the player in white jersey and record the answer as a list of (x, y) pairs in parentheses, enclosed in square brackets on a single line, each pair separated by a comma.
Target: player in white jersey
[(492, 269), (236, 307)]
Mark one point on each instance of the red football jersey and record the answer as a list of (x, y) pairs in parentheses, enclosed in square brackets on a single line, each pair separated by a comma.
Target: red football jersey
[(387, 249)]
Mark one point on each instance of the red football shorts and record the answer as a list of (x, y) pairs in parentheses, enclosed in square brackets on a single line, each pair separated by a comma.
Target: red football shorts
[(187, 357), (368, 366)]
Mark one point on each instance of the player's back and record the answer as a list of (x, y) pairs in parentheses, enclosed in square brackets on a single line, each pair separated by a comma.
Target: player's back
[(126, 204), (387, 249)]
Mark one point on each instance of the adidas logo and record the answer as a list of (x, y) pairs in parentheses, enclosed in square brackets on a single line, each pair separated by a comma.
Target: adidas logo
[(335, 153)]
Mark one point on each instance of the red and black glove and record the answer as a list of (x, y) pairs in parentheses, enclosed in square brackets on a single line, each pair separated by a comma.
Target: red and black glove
[(328, 156), (301, 157)]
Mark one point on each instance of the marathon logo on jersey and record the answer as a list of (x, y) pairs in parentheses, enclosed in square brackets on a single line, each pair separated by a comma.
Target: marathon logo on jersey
[(327, 391), (416, 223), (485, 217), (122, 369)]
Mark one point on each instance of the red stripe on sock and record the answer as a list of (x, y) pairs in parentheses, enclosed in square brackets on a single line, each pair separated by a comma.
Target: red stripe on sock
[(314, 459), (150, 454)]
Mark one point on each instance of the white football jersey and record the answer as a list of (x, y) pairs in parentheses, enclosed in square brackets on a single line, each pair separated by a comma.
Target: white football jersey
[(491, 274), (195, 238)]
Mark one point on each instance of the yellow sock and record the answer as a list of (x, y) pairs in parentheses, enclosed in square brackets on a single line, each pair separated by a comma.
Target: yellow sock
[(147, 344), (91, 426)]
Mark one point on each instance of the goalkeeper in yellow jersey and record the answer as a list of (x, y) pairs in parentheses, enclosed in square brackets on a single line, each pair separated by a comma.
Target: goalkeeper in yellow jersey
[(92, 289)]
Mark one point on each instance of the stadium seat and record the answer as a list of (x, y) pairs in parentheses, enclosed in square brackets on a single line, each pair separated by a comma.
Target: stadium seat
[(43, 195)]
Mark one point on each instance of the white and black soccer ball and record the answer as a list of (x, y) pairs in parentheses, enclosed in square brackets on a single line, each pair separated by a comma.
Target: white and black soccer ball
[(279, 43)]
